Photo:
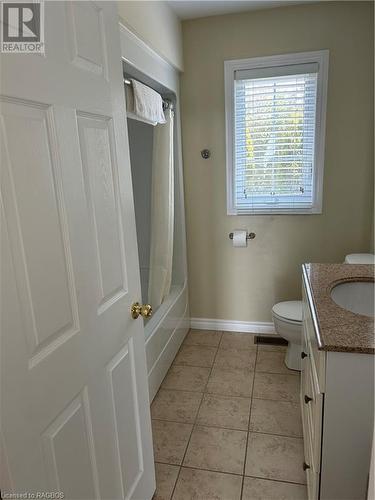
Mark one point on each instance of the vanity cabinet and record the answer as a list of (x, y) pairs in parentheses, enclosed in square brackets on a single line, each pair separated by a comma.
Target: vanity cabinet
[(337, 401)]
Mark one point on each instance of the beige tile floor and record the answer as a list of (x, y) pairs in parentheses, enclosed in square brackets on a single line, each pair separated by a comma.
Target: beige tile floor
[(227, 424)]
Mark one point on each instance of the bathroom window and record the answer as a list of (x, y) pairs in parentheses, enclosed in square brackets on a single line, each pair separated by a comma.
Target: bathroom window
[(275, 122)]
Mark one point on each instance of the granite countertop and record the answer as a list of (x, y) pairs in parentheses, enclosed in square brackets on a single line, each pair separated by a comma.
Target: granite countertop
[(338, 328)]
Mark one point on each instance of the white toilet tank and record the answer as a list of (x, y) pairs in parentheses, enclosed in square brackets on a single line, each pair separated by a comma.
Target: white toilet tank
[(360, 258)]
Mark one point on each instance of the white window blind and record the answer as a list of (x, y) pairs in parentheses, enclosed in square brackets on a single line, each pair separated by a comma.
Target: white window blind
[(274, 139)]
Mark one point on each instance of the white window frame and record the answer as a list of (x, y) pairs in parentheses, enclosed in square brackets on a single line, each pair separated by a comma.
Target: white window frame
[(321, 57)]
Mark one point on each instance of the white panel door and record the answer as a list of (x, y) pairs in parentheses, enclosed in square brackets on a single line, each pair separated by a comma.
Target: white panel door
[(74, 398)]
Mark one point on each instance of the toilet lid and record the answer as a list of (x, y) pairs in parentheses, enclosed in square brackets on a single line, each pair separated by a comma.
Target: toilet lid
[(291, 310)]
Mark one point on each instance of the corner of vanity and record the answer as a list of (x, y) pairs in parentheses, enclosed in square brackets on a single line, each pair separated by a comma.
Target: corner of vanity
[(337, 384)]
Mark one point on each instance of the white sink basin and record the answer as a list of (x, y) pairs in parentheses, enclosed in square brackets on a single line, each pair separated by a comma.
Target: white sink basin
[(355, 296)]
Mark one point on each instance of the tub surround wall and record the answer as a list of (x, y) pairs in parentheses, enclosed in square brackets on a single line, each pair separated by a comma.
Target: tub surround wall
[(140, 144), (243, 284)]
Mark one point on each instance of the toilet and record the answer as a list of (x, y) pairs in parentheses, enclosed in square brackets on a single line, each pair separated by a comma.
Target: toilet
[(287, 317), (360, 258)]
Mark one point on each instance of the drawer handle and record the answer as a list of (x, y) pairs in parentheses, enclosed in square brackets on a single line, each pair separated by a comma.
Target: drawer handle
[(304, 355), (305, 466), (308, 399)]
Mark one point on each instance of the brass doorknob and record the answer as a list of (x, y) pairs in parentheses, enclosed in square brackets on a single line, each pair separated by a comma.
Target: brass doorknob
[(144, 310)]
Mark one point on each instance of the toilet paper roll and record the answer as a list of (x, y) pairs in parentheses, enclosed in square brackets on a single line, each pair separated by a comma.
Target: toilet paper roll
[(239, 238)]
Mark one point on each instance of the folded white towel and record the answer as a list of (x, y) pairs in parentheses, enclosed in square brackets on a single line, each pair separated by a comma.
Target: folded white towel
[(148, 104)]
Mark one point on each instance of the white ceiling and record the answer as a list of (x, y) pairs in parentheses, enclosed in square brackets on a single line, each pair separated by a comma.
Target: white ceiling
[(198, 8)]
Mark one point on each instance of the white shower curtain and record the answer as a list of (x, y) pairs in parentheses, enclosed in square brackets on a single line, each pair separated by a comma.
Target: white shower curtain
[(162, 212)]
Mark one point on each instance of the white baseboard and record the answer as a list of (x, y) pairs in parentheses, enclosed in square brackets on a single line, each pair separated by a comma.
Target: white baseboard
[(261, 327)]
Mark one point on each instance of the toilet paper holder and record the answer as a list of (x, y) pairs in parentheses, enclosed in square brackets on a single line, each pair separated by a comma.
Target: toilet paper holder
[(249, 236)]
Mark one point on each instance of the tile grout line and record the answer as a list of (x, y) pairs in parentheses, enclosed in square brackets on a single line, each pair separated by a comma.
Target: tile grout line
[(277, 480), (277, 435), (213, 394), (228, 428), (248, 424), (196, 417), (203, 468), (223, 368), (226, 395), (231, 473), (205, 425)]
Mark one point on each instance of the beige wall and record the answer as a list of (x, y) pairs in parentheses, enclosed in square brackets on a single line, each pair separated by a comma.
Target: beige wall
[(243, 284), (157, 25)]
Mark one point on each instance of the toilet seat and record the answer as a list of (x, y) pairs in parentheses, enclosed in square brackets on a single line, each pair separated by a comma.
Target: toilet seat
[(289, 311)]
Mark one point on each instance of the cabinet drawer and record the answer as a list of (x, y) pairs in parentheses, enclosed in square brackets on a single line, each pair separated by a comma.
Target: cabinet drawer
[(312, 479), (312, 414), (313, 401), (312, 476), (317, 366)]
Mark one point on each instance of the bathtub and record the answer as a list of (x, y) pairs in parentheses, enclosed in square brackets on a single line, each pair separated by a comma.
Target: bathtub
[(164, 333)]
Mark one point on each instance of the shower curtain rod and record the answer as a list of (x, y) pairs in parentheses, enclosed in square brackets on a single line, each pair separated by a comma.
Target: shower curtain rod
[(167, 104)]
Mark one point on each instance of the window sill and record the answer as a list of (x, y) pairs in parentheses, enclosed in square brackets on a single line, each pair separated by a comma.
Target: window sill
[(276, 211)]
